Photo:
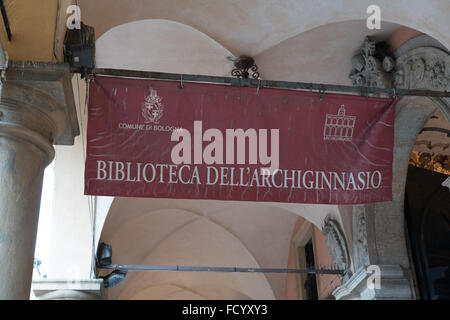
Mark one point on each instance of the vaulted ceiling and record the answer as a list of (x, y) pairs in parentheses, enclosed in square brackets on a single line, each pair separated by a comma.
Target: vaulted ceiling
[(253, 26), (241, 27)]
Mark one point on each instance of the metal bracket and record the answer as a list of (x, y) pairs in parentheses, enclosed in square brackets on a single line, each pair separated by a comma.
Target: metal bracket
[(242, 66)]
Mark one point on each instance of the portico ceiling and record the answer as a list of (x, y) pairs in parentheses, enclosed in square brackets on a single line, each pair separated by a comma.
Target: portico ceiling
[(199, 233), (204, 233), (253, 26), (241, 27), (322, 54)]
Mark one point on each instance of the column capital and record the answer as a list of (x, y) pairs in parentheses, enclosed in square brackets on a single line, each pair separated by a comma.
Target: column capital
[(39, 97)]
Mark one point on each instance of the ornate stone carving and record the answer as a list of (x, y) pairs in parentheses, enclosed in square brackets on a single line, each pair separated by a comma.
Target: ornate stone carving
[(336, 243), (423, 68), (418, 68), (361, 254), (431, 161), (368, 69)]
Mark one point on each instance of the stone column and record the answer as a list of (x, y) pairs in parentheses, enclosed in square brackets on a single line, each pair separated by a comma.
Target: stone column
[(36, 111)]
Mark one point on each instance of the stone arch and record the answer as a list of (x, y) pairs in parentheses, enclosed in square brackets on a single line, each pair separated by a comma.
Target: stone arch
[(180, 237), (418, 67), (379, 235), (316, 214)]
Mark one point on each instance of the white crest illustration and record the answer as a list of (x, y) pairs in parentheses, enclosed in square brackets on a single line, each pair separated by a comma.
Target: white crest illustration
[(339, 127), (153, 108)]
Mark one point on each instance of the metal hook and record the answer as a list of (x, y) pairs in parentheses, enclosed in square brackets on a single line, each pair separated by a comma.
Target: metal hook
[(258, 87), (322, 92), (364, 92), (312, 96), (394, 93)]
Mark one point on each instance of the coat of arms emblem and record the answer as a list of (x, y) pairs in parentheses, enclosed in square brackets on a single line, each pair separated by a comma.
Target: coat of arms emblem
[(153, 108)]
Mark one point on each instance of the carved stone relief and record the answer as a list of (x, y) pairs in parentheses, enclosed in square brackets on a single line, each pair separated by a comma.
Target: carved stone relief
[(361, 254), (336, 244), (370, 68), (418, 68), (423, 68)]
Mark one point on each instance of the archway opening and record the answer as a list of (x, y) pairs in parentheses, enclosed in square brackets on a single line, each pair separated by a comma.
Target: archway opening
[(427, 208)]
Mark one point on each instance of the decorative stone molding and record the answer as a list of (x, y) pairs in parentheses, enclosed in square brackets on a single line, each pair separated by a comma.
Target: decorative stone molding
[(393, 285), (368, 70), (44, 88), (355, 288), (336, 244), (424, 65), (360, 250), (423, 68), (418, 42)]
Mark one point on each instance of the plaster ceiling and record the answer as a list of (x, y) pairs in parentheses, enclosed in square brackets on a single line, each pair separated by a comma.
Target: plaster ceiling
[(202, 233), (32, 26), (322, 54), (242, 27), (253, 26)]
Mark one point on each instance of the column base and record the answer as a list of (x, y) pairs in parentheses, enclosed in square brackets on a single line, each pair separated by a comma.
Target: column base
[(68, 290), (394, 286)]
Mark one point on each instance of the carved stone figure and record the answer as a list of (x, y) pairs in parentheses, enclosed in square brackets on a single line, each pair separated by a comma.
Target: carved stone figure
[(368, 69), (336, 244)]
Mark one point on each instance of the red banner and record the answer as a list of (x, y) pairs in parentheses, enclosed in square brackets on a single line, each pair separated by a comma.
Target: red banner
[(153, 139)]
